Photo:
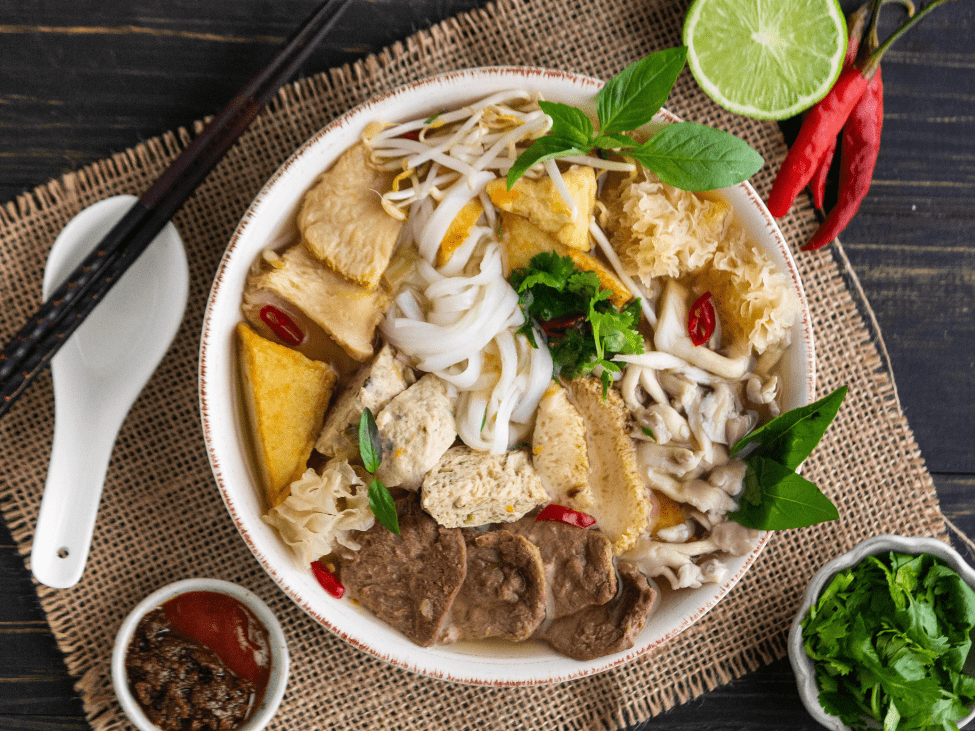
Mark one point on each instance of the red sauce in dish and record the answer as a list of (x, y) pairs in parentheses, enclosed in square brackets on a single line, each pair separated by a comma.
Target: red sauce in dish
[(227, 627)]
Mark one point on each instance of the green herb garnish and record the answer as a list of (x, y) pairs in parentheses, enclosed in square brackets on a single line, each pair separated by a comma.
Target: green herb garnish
[(685, 155), (889, 638), (775, 497), (371, 450), (648, 432), (584, 328)]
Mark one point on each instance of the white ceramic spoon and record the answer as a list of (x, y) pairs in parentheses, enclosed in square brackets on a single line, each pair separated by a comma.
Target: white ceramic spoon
[(97, 376)]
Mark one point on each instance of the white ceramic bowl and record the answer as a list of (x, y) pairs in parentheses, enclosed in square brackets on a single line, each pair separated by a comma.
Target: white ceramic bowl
[(803, 665), (277, 681), (270, 217)]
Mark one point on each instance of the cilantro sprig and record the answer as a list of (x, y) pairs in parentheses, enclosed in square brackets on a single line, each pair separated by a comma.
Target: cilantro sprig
[(584, 328), (685, 155), (889, 638), (371, 450), (775, 497)]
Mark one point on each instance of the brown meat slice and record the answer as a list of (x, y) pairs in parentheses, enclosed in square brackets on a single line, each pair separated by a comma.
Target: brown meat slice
[(606, 628), (578, 563), (409, 580), (504, 592)]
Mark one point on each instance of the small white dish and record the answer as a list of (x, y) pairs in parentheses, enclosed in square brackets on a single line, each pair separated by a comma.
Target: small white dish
[(276, 684), (270, 220), (803, 665)]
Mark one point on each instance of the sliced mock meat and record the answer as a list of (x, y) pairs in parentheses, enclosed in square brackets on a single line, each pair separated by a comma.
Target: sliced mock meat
[(578, 563), (604, 629), (504, 592), (409, 580)]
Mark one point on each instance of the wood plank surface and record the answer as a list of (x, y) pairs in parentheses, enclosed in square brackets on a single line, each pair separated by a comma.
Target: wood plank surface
[(81, 79)]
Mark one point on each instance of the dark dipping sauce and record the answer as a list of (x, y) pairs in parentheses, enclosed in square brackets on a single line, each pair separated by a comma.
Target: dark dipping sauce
[(199, 661)]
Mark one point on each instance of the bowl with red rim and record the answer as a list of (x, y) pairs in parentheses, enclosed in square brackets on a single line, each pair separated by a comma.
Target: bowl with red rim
[(270, 219), (219, 599)]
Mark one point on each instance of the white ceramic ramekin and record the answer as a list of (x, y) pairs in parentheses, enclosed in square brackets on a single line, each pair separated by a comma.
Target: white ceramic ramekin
[(276, 684)]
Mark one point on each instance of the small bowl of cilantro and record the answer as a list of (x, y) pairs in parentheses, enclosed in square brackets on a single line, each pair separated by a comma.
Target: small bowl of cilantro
[(883, 638)]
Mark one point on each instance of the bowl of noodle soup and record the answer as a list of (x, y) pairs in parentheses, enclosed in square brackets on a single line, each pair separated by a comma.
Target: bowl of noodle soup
[(270, 220)]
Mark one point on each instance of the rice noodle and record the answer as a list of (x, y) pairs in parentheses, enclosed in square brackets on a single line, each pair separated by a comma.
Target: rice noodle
[(447, 327)]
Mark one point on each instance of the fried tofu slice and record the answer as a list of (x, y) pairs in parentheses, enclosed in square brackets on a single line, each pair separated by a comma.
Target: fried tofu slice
[(459, 230), (539, 201), (346, 311), (342, 220), (286, 395), (621, 504), (560, 452), (523, 240)]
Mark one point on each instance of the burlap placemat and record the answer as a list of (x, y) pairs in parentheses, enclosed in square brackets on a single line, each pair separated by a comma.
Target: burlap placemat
[(161, 516)]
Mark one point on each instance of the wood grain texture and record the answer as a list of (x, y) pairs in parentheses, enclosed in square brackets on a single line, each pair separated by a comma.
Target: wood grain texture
[(81, 79)]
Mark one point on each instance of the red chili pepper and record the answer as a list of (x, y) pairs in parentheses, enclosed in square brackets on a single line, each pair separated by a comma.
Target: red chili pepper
[(701, 320), (826, 118), (565, 515), (286, 329), (818, 131), (855, 23), (328, 580), (413, 134), (861, 145)]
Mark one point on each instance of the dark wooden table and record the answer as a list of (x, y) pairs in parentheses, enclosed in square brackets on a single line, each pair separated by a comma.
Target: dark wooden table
[(81, 79)]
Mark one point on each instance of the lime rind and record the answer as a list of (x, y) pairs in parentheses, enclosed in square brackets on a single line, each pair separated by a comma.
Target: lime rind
[(793, 51)]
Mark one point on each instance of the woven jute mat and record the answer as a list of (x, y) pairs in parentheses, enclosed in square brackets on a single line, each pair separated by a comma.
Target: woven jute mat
[(161, 516)]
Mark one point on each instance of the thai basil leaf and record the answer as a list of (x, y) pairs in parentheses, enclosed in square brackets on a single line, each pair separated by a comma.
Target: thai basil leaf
[(694, 157), (614, 141), (631, 98), (776, 498), (542, 149), (370, 445), (788, 439), (569, 123), (382, 506)]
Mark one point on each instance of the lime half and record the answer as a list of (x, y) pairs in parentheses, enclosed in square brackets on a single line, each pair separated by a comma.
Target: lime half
[(768, 59)]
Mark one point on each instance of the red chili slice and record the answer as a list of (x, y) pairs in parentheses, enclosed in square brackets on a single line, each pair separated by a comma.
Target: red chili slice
[(565, 515), (411, 135), (283, 326), (328, 580), (553, 326), (701, 320)]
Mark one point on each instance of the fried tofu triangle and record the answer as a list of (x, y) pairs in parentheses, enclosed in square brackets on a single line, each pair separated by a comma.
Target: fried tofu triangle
[(286, 396)]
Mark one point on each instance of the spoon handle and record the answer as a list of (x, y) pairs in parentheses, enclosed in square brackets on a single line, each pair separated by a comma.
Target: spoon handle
[(84, 435)]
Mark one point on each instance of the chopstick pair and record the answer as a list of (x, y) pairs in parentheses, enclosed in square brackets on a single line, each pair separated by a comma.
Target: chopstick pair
[(26, 355)]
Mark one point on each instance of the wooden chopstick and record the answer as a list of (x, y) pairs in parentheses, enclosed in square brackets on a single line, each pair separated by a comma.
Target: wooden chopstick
[(31, 349)]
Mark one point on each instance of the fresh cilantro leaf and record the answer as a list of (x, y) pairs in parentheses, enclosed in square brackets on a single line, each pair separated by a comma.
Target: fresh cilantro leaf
[(569, 123), (631, 98), (382, 506), (776, 498), (789, 438), (693, 156), (370, 445), (542, 149), (887, 648), (546, 268), (584, 328), (649, 432)]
